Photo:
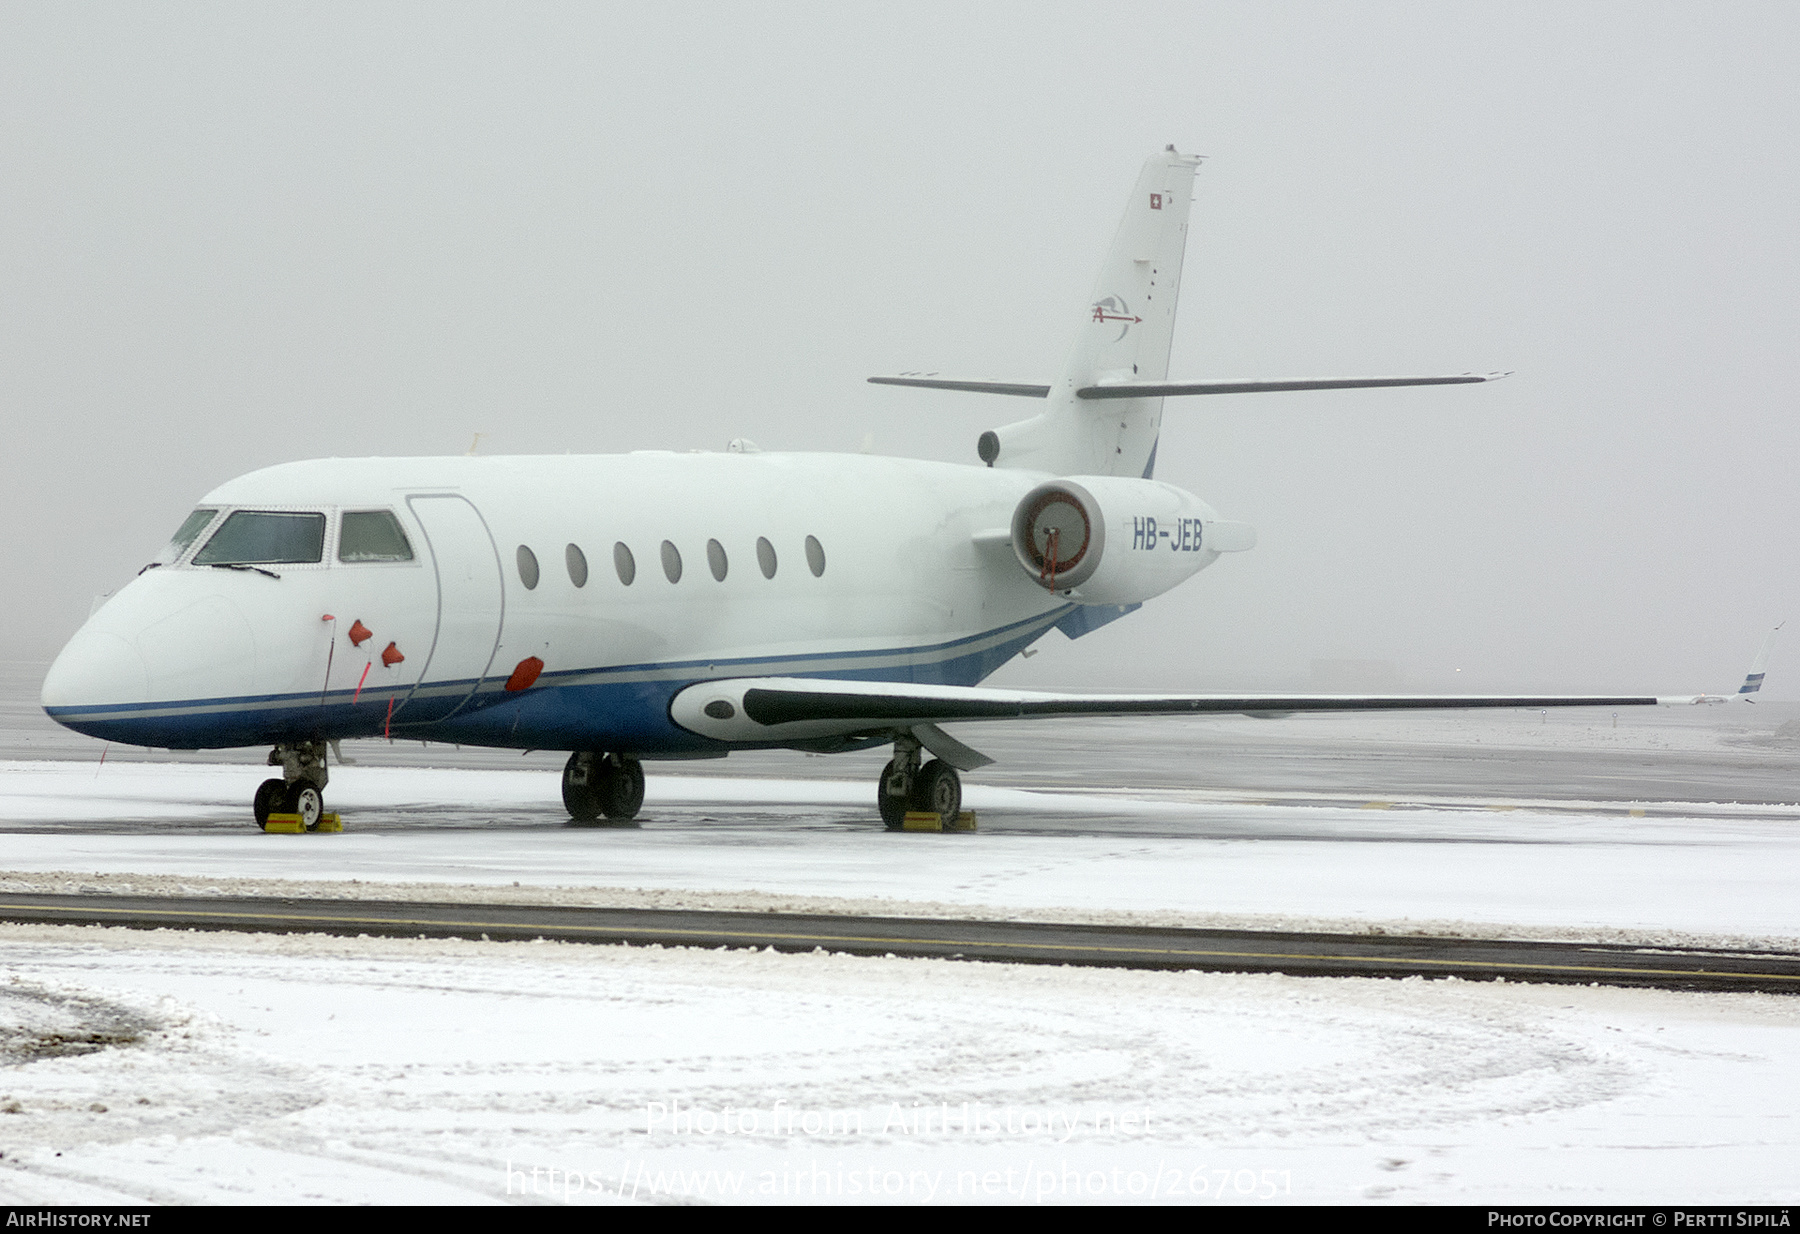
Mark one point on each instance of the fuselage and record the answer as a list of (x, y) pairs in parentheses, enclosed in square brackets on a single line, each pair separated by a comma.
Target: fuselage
[(555, 602)]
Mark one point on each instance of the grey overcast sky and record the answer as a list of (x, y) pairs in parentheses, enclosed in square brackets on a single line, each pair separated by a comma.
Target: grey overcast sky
[(238, 234)]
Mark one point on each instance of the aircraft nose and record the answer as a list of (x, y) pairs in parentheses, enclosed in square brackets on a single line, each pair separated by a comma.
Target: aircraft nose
[(96, 668)]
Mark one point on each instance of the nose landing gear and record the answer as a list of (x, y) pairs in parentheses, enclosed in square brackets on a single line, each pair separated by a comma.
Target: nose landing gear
[(594, 784), (301, 790)]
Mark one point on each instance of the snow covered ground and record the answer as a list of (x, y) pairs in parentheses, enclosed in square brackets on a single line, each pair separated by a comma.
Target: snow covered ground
[(172, 1066), (262, 1068)]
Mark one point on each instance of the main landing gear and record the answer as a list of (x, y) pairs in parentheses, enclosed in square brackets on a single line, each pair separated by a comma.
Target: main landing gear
[(301, 789), (933, 788), (594, 784)]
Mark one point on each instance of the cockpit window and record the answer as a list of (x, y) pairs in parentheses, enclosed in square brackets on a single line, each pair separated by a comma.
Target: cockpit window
[(184, 537), (265, 538), (372, 535)]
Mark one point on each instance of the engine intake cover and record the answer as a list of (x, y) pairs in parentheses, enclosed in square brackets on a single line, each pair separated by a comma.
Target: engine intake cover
[(1059, 533), (1111, 539)]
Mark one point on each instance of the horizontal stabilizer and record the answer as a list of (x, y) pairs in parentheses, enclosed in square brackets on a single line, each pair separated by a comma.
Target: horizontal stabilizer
[(1166, 389), (972, 387), (777, 709)]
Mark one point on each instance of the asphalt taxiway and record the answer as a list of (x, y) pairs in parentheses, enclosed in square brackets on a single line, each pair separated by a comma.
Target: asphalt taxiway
[(1297, 954)]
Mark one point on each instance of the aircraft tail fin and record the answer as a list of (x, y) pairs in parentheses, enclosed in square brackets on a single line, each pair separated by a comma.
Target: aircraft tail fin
[(1103, 416), (1123, 334), (1754, 680)]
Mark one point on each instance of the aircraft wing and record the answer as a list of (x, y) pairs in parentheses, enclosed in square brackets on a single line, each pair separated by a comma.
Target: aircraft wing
[(801, 709)]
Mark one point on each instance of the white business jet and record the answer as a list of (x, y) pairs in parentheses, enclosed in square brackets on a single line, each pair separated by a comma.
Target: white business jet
[(673, 606)]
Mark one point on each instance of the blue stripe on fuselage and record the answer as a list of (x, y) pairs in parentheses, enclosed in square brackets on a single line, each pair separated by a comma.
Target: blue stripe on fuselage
[(623, 708)]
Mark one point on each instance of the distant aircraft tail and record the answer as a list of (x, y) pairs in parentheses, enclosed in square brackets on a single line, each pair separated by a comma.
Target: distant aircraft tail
[(1754, 680)]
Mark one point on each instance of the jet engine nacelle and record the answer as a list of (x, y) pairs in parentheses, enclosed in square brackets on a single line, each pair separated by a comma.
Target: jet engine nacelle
[(1115, 540)]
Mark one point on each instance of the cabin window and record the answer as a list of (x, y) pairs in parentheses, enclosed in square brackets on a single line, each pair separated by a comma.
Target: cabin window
[(624, 563), (372, 535), (186, 534), (716, 560), (528, 568), (815, 557), (265, 538), (765, 556), (576, 560), (671, 557)]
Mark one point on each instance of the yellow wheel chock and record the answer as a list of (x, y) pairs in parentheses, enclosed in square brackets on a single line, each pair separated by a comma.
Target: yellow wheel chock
[(290, 824), (925, 820)]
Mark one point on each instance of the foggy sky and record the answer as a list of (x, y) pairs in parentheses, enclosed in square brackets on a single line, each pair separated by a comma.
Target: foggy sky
[(238, 235)]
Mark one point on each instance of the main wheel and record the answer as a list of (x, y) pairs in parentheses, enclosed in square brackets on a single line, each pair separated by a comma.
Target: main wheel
[(622, 789), (304, 799), (893, 809), (267, 800), (580, 792), (938, 790)]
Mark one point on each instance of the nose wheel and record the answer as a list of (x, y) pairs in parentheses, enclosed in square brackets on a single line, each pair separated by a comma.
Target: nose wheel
[(595, 784), (306, 801), (301, 788), (279, 797), (268, 800)]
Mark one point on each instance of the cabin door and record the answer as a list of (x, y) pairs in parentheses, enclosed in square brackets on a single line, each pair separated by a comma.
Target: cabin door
[(471, 606)]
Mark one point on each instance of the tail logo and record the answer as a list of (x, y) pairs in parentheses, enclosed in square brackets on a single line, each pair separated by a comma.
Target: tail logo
[(1114, 309)]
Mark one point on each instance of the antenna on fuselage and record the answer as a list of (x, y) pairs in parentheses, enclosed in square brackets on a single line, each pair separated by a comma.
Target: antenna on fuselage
[(474, 443)]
